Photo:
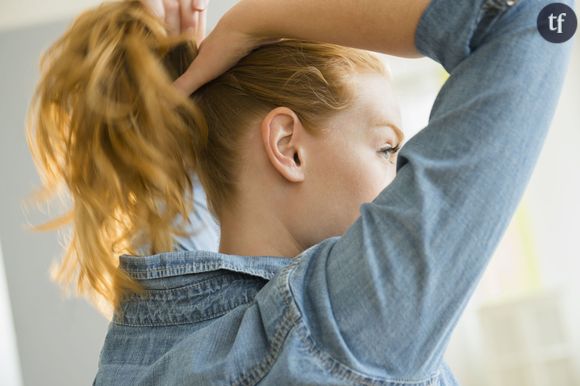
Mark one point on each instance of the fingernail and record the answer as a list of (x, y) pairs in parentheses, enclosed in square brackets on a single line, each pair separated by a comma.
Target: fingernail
[(199, 4)]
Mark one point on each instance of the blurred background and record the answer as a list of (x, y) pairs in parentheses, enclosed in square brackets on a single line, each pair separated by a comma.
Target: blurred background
[(519, 329)]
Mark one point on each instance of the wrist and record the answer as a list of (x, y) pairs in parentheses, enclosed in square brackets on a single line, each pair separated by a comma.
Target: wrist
[(248, 17)]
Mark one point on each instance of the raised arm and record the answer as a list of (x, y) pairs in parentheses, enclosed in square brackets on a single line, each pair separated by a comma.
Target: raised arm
[(382, 26), (385, 297)]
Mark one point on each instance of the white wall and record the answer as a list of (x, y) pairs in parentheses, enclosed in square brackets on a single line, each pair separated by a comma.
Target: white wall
[(9, 362), (22, 13)]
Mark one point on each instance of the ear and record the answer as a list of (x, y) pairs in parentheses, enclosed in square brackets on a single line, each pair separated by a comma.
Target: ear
[(281, 134)]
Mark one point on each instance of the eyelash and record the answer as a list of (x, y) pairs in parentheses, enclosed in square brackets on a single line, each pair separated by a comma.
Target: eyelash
[(391, 150)]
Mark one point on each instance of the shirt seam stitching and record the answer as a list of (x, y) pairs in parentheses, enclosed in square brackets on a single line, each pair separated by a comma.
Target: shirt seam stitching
[(283, 329), (341, 369)]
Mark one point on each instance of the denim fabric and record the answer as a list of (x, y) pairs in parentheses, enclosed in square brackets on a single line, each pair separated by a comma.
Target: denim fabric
[(377, 305)]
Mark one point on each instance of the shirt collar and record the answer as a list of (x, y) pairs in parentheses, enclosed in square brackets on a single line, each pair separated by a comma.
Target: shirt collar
[(176, 263)]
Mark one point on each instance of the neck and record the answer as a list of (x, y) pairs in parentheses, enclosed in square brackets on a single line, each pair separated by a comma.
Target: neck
[(256, 233)]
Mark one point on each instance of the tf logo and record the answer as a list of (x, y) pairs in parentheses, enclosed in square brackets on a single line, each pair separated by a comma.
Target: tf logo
[(557, 22)]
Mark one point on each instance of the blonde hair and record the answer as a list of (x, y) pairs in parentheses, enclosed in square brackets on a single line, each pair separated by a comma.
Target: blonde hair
[(106, 122)]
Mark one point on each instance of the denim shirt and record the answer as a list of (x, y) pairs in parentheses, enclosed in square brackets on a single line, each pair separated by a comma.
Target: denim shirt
[(378, 304)]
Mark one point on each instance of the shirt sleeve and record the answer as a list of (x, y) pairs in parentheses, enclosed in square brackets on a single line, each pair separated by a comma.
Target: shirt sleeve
[(384, 297)]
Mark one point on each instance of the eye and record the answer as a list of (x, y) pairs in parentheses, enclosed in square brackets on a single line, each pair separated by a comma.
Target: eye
[(388, 151)]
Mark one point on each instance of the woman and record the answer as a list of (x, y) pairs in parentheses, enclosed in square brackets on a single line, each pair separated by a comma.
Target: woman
[(336, 265)]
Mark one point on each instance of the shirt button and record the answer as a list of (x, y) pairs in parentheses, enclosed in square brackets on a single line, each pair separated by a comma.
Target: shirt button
[(509, 3)]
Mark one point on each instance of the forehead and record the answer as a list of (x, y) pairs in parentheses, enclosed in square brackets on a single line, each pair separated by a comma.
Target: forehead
[(376, 104)]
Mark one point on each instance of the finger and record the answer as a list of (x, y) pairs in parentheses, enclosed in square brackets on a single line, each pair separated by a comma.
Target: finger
[(172, 18), (199, 5), (196, 75), (187, 19), (192, 32), (156, 7), (201, 26)]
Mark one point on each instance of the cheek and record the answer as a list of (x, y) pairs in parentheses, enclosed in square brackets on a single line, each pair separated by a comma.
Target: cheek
[(369, 176), (347, 178), (371, 184), (337, 176), (358, 179)]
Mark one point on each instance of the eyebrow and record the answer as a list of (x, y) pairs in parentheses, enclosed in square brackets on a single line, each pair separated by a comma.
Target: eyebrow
[(395, 128)]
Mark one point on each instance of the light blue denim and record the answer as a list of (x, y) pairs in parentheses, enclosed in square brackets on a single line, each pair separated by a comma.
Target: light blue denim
[(377, 305)]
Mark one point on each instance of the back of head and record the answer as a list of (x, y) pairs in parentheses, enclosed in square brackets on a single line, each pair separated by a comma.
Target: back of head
[(106, 122)]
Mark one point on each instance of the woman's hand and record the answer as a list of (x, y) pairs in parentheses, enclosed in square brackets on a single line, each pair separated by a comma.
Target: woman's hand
[(219, 51), (226, 44), (181, 16)]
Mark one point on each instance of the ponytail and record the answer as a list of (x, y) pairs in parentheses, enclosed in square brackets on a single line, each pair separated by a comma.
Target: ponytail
[(106, 122)]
